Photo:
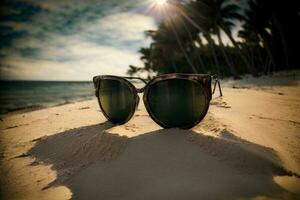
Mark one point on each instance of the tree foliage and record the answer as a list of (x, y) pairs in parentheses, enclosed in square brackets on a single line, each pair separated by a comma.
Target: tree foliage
[(190, 38)]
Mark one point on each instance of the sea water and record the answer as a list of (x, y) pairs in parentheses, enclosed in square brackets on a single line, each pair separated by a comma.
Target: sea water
[(17, 95)]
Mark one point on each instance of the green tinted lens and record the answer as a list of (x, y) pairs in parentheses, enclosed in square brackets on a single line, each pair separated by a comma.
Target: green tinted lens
[(177, 102), (117, 100)]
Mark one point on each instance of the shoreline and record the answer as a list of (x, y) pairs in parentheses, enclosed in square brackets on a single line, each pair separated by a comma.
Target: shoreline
[(247, 81), (27, 109)]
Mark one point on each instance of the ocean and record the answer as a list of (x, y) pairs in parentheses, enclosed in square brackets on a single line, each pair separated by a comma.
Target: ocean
[(18, 95)]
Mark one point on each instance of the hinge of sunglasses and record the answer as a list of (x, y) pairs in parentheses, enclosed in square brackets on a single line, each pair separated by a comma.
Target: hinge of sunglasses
[(219, 85)]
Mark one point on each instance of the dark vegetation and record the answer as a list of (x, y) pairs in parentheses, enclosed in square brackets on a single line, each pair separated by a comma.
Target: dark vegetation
[(189, 38)]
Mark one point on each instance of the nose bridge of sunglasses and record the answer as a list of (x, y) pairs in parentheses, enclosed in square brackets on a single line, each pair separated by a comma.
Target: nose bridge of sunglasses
[(140, 90)]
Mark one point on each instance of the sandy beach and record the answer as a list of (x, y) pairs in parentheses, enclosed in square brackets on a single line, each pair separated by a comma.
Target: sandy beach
[(247, 147)]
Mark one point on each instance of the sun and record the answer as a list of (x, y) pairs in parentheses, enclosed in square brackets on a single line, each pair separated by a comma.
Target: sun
[(160, 2)]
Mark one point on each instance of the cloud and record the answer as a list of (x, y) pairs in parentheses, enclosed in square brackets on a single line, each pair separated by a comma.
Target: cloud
[(72, 40), (90, 60), (124, 30)]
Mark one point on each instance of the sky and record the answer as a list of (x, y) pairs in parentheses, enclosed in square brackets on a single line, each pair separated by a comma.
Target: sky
[(71, 39)]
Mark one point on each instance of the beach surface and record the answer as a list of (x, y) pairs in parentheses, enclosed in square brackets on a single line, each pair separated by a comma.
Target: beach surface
[(247, 147)]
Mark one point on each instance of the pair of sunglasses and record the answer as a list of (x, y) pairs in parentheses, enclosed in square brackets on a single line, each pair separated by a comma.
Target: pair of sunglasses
[(172, 100)]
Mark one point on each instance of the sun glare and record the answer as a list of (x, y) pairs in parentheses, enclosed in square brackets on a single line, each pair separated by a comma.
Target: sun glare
[(160, 2)]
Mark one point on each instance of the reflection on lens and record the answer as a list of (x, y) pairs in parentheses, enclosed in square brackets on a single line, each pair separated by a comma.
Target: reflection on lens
[(177, 103), (117, 100)]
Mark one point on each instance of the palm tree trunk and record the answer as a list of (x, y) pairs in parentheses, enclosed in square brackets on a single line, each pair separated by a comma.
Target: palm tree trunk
[(238, 49), (181, 46), (199, 59), (194, 49), (230, 64), (211, 44), (209, 61), (269, 51)]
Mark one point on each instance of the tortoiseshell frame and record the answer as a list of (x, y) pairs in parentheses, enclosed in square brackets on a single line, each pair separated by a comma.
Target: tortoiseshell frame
[(203, 79)]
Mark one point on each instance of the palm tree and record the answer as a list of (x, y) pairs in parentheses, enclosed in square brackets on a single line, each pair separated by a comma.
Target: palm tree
[(179, 42), (256, 28), (266, 22), (146, 58), (164, 50), (214, 16), (223, 15), (196, 15)]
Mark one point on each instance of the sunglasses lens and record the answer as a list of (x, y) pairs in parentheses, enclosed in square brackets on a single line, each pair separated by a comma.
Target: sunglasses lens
[(177, 103), (117, 100)]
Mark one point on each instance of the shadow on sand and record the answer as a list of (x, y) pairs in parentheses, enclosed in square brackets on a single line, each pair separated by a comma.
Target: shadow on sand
[(163, 164)]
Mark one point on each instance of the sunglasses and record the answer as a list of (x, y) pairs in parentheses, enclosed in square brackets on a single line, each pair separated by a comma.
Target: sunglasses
[(172, 100)]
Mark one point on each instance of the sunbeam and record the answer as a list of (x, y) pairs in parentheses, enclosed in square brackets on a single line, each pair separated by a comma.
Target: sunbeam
[(160, 2)]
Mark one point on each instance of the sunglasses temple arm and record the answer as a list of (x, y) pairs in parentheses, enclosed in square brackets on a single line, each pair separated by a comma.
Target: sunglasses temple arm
[(219, 85)]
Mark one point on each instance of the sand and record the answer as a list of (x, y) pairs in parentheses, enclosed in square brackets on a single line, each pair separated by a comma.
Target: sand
[(247, 147)]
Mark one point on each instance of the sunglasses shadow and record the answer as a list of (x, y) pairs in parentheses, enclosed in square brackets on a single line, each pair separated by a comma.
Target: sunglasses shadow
[(163, 164)]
